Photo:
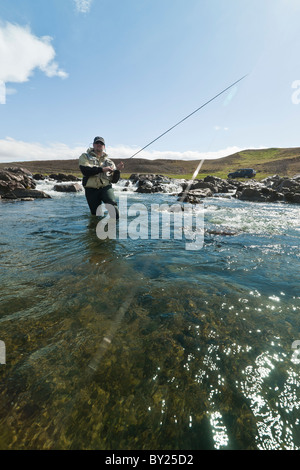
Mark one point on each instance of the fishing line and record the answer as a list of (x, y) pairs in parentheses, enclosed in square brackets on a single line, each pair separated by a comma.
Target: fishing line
[(189, 115)]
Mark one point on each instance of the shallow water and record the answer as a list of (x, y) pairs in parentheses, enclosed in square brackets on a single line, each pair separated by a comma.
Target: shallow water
[(189, 349)]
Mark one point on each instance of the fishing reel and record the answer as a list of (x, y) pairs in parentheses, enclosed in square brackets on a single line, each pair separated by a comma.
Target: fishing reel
[(114, 175)]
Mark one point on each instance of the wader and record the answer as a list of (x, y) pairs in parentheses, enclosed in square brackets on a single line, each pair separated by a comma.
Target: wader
[(95, 197)]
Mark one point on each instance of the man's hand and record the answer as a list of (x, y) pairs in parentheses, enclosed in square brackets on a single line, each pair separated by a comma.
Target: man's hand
[(120, 166), (105, 169)]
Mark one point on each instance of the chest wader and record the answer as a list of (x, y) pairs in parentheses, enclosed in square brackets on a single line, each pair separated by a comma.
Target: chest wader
[(95, 197)]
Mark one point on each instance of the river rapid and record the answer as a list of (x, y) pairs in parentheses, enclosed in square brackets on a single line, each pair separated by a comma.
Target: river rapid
[(123, 344)]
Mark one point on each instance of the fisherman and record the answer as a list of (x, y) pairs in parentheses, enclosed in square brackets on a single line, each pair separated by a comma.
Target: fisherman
[(99, 172)]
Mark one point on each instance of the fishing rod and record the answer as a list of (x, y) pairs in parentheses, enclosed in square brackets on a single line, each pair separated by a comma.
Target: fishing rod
[(189, 115)]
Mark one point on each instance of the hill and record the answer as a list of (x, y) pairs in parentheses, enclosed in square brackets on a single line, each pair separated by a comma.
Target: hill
[(282, 161)]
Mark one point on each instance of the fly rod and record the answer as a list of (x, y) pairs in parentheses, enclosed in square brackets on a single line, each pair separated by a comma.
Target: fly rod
[(189, 115)]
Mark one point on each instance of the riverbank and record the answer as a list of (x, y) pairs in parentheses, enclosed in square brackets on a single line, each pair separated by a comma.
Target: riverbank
[(19, 184)]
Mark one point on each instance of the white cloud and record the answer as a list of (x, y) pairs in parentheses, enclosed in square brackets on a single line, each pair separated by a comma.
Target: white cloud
[(127, 152), (12, 150), (83, 6), (21, 52)]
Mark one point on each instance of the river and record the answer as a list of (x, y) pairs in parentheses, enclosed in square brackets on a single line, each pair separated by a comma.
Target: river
[(123, 344)]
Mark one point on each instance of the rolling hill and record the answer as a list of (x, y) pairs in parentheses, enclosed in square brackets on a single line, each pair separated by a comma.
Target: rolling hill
[(282, 161)]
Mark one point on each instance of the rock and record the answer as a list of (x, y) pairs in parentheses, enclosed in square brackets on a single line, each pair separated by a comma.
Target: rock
[(152, 183), (272, 180), (39, 176), (142, 177), (145, 187), (17, 183), (17, 177), (198, 184), (68, 188), (271, 189), (24, 194), (19, 170), (293, 197), (262, 194), (224, 232), (224, 186), (194, 196), (190, 198), (287, 185), (63, 177)]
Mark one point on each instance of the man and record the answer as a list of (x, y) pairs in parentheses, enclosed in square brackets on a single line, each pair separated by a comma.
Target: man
[(98, 174)]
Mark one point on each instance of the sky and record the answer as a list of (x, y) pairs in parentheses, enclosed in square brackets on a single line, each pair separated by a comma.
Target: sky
[(128, 70)]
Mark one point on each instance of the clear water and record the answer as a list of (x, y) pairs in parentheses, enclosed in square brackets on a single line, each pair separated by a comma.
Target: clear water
[(189, 349)]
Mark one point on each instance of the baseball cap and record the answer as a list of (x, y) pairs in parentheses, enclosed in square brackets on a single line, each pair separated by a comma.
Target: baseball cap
[(99, 139)]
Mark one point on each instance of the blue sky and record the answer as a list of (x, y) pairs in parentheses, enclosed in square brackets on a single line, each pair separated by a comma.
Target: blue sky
[(130, 69)]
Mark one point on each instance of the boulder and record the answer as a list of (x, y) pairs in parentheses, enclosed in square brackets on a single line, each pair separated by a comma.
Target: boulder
[(17, 183), (194, 196), (288, 185), (259, 194), (151, 183), (224, 186), (140, 178), (199, 184), (293, 197), (18, 170), (271, 189), (25, 194), (38, 177), (190, 198), (64, 177), (68, 188), (17, 177)]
